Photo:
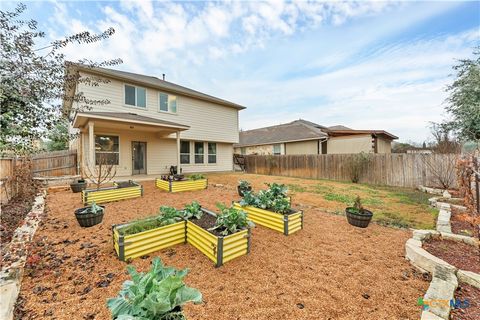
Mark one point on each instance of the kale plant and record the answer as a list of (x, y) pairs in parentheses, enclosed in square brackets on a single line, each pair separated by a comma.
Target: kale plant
[(230, 220), (193, 210), (93, 208), (156, 295), (274, 199), (169, 215), (244, 184), (196, 176)]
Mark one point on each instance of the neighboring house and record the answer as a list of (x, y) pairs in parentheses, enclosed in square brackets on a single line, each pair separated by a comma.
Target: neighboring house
[(151, 124), (305, 137)]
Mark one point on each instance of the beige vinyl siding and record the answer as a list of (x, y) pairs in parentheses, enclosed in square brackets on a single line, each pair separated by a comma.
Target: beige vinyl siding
[(207, 121), (302, 147), (384, 146), (349, 144), (161, 153)]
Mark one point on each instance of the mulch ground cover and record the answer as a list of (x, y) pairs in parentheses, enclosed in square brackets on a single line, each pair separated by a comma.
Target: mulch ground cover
[(329, 270), (460, 223), (458, 254), (467, 295)]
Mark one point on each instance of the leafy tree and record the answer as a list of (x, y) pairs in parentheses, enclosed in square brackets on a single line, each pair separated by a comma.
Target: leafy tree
[(33, 81), (463, 103), (58, 137)]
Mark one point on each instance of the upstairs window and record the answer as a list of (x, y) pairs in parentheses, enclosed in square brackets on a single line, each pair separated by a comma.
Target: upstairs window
[(212, 152), (167, 102), (199, 151), (135, 96), (184, 152)]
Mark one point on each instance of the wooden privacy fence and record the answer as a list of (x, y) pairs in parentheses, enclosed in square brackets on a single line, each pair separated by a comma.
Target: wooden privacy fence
[(49, 164), (55, 164), (402, 170)]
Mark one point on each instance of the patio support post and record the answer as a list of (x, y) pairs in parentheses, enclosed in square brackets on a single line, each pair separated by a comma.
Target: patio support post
[(178, 153), (91, 144)]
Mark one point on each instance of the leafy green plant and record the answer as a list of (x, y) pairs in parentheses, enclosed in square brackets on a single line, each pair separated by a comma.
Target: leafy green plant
[(230, 220), (156, 295), (196, 176), (244, 185), (358, 207), (274, 198), (169, 215), (193, 210), (166, 216), (93, 208)]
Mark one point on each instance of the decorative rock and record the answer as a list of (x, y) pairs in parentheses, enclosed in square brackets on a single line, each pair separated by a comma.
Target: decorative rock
[(469, 277), (443, 221), (442, 287), (422, 259), (422, 235), (8, 295), (459, 238), (446, 194)]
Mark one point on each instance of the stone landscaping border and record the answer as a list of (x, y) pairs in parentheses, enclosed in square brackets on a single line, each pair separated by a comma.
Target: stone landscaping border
[(445, 277), (11, 274)]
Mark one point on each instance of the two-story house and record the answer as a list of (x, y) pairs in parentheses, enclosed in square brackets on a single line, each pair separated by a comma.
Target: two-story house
[(150, 124)]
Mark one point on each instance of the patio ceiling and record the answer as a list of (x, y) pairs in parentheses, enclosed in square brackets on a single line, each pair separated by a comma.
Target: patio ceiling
[(126, 121)]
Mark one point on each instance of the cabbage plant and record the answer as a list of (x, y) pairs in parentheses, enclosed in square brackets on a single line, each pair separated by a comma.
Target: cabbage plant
[(193, 210), (156, 295)]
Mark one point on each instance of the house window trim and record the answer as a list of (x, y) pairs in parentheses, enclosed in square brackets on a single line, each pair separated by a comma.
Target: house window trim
[(135, 106), (189, 152), (280, 147), (111, 135), (209, 154), (195, 153), (168, 94)]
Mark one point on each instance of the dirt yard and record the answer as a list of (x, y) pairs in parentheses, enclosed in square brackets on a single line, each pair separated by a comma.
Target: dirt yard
[(329, 270)]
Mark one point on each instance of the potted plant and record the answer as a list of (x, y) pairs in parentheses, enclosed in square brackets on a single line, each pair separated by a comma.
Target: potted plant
[(243, 186), (357, 215), (221, 237), (90, 216), (78, 185), (158, 294)]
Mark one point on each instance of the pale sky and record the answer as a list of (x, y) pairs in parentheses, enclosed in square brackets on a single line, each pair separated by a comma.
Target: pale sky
[(366, 65)]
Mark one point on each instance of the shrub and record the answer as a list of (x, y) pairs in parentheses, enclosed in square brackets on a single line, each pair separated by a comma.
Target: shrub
[(244, 184), (156, 295), (357, 165)]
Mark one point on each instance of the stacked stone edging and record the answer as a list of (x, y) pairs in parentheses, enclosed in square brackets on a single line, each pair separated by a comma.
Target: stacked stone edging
[(11, 274)]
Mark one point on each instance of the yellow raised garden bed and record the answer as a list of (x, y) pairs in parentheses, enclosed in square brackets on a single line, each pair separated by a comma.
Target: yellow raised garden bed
[(142, 243), (178, 186), (115, 193), (285, 223), (219, 249)]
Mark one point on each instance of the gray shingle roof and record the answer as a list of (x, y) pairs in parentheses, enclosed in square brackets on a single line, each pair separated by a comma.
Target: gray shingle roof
[(159, 84), (339, 127), (294, 131)]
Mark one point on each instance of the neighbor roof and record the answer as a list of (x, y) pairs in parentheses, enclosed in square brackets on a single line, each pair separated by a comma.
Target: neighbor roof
[(339, 127), (81, 117), (157, 83), (297, 130)]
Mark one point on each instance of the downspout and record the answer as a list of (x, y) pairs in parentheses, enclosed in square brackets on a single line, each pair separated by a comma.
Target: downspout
[(320, 143)]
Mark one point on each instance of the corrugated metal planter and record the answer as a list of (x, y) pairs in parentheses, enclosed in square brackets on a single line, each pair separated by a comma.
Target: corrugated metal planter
[(142, 243), (285, 223), (219, 249), (114, 193), (178, 186)]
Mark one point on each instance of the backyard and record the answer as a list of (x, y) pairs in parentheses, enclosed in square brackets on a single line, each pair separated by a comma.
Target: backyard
[(327, 270)]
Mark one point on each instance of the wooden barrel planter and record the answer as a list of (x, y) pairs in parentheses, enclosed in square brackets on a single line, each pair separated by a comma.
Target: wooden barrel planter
[(285, 223), (219, 249), (182, 185), (139, 244), (119, 191)]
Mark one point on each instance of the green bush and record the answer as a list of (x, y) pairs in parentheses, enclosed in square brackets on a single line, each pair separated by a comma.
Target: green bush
[(156, 295)]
